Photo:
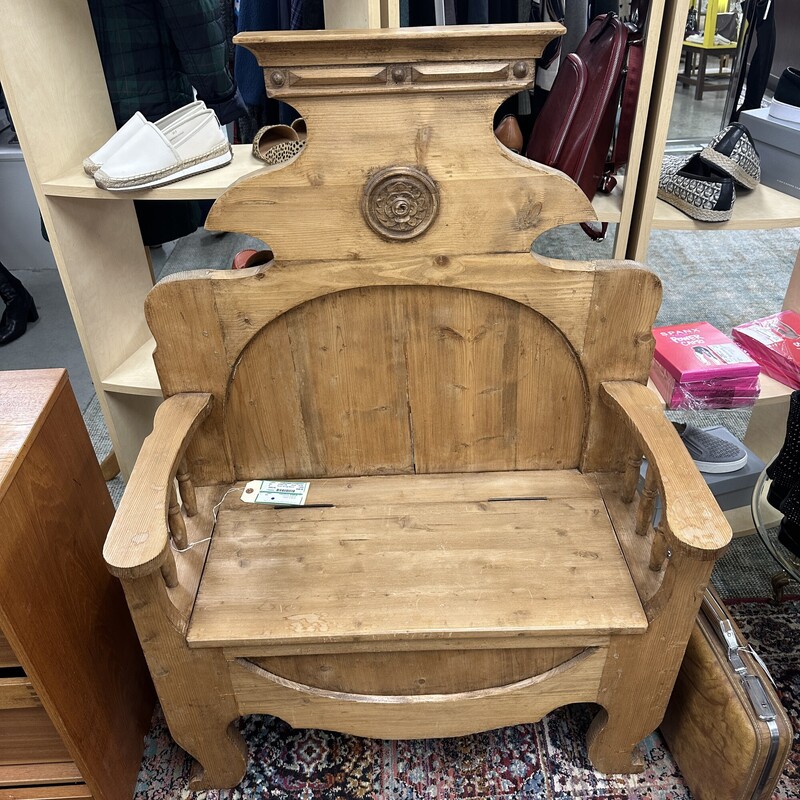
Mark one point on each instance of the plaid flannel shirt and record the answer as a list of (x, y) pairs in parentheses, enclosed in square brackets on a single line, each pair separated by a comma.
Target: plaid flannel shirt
[(154, 51)]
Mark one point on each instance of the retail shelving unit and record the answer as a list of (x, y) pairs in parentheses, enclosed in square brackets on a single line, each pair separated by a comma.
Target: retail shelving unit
[(52, 76)]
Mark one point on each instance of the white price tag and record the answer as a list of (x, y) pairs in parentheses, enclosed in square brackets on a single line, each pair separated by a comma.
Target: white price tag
[(276, 493)]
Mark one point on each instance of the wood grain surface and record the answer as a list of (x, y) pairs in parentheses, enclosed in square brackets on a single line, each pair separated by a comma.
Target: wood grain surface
[(270, 576), (392, 380), (230, 315), (417, 673), (18, 775), (17, 693), (440, 387), (75, 792), (7, 655), (693, 518), (27, 736), (139, 537), (418, 716)]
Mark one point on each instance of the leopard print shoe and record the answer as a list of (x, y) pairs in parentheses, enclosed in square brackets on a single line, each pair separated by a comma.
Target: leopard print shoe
[(276, 144)]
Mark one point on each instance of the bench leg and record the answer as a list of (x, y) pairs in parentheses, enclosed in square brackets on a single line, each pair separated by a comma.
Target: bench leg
[(641, 669), (193, 687), (613, 740), (220, 754)]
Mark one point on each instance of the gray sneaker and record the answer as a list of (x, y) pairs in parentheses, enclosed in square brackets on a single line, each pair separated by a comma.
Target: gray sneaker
[(709, 452)]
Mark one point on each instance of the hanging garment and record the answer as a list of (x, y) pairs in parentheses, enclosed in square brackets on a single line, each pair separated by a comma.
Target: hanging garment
[(502, 11), (254, 15), (576, 20), (268, 15), (598, 7), (420, 13), (472, 12), (548, 63), (154, 51), (296, 14), (763, 28)]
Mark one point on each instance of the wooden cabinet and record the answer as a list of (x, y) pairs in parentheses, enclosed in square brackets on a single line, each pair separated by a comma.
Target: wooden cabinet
[(75, 697)]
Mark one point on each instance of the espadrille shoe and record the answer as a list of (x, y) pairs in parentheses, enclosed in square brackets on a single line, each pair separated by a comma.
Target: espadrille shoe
[(699, 191), (276, 144), (132, 127), (151, 159), (733, 152)]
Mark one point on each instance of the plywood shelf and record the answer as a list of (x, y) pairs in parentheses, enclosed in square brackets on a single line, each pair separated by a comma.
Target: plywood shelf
[(136, 375), (760, 209), (772, 391), (206, 186), (608, 207)]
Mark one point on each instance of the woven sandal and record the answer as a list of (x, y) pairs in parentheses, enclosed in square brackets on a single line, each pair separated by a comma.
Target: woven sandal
[(698, 190), (733, 152), (276, 144)]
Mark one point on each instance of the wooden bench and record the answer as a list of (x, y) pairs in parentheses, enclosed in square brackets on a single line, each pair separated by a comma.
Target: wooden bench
[(470, 418)]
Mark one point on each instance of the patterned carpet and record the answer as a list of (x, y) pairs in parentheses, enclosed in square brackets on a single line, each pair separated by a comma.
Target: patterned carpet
[(544, 761)]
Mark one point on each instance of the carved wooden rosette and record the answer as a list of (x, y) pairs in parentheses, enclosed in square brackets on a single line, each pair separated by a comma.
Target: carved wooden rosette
[(400, 144), (400, 202)]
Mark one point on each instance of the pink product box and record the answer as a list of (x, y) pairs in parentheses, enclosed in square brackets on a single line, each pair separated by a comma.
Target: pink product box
[(698, 352), (699, 395), (775, 343)]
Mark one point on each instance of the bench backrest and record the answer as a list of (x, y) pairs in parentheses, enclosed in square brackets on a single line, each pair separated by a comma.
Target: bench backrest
[(404, 325)]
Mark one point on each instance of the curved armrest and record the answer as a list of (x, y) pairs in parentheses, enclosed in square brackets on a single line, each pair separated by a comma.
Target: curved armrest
[(138, 540), (693, 519)]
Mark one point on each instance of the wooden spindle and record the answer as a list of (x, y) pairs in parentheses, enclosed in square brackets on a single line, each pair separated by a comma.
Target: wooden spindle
[(177, 527), (658, 551), (188, 495), (631, 479), (169, 570), (644, 514)]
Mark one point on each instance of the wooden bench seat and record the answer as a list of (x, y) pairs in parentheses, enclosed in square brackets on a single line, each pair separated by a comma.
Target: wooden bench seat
[(404, 557)]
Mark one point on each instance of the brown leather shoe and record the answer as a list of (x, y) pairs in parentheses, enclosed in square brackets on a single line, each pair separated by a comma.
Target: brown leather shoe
[(509, 134)]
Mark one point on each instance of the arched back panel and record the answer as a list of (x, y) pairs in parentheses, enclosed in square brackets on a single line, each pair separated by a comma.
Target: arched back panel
[(398, 379)]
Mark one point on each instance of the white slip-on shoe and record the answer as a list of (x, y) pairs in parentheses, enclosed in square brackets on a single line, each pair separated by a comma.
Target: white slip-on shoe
[(150, 158), (132, 127)]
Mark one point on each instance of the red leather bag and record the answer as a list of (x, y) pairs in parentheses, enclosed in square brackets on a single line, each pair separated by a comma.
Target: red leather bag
[(576, 126)]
